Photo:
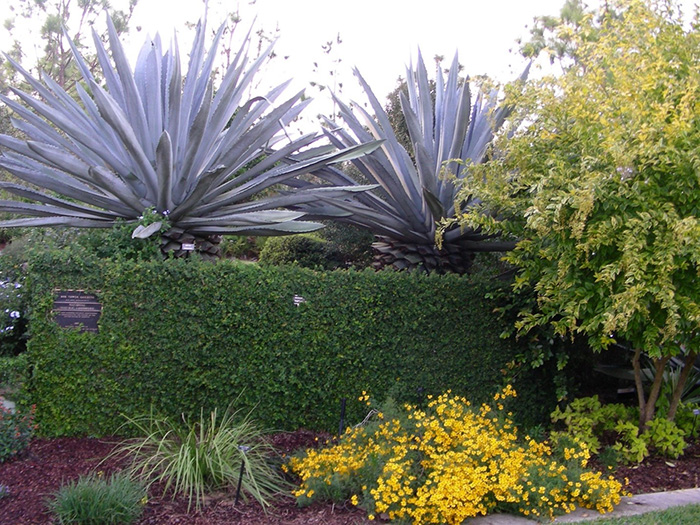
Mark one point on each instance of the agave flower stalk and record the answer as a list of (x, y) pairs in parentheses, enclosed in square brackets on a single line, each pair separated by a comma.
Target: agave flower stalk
[(416, 192), (152, 138)]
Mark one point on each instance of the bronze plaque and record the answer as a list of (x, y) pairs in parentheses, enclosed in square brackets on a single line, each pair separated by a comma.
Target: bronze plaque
[(76, 309)]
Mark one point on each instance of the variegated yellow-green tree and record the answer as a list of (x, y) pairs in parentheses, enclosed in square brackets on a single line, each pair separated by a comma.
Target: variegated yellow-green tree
[(599, 181)]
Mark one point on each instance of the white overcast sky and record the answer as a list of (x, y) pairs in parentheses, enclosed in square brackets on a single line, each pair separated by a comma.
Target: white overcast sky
[(379, 37)]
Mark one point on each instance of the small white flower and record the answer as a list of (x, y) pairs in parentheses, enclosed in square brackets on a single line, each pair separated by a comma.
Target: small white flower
[(14, 314)]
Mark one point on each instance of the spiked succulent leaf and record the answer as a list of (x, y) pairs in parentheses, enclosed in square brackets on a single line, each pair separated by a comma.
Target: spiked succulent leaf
[(152, 137)]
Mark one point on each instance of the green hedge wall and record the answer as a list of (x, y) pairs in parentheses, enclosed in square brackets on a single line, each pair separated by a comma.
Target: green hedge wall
[(176, 336)]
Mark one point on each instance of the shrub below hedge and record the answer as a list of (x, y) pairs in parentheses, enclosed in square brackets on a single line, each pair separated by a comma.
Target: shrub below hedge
[(177, 336)]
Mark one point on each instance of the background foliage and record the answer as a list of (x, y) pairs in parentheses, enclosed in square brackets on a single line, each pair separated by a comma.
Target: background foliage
[(596, 177)]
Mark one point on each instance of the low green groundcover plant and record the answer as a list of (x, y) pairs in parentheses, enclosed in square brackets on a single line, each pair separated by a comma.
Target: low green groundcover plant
[(95, 500), (589, 421), (16, 429), (193, 459), (450, 462)]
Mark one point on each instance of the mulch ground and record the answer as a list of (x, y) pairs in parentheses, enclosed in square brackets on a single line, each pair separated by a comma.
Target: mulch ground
[(34, 476)]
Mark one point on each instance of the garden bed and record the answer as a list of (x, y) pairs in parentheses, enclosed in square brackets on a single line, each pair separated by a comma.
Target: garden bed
[(46, 464)]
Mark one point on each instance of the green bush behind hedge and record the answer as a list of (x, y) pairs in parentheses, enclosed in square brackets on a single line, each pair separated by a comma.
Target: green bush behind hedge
[(177, 336)]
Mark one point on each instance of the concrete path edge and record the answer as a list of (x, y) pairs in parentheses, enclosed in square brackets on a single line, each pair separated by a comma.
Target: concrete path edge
[(631, 506)]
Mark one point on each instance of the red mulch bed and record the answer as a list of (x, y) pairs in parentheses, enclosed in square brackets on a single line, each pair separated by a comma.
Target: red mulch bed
[(46, 464)]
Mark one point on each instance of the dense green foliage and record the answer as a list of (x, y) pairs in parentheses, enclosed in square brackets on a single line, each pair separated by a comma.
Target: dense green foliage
[(598, 181), (589, 421), (180, 335), (335, 246), (16, 430), (306, 250)]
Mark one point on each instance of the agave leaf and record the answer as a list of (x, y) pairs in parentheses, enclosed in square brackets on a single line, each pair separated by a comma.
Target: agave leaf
[(38, 196), (173, 96), (46, 210), (72, 222), (144, 232), (164, 171), (153, 137), (246, 218), (132, 109), (195, 147), (435, 205), (291, 199), (147, 76), (282, 228), (119, 121)]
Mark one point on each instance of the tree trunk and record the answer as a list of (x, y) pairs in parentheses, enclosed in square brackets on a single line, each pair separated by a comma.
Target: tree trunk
[(659, 365), (647, 407), (639, 385), (688, 365)]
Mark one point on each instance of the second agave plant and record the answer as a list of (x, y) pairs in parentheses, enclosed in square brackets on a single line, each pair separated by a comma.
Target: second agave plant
[(154, 141), (417, 185)]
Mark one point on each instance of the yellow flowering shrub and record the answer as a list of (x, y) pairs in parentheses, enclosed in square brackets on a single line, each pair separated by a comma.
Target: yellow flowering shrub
[(450, 462)]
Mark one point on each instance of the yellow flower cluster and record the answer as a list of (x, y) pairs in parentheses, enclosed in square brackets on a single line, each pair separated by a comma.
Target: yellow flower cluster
[(448, 463)]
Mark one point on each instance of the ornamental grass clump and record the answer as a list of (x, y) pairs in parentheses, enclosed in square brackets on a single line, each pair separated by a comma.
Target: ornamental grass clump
[(450, 462), (94, 500), (195, 458)]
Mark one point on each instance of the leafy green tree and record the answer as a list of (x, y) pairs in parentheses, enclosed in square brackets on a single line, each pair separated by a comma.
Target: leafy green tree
[(58, 21), (557, 36), (54, 21), (596, 175)]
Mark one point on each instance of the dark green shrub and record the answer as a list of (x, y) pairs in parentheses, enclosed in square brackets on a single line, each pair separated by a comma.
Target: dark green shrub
[(16, 430), (117, 242), (351, 246), (242, 246), (335, 246), (13, 372), (179, 335), (306, 250)]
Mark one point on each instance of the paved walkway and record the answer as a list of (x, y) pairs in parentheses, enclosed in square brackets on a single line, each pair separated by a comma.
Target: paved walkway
[(9, 405), (628, 507)]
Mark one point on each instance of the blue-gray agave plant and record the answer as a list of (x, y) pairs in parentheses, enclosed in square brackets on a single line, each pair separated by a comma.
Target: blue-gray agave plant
[(415, 193), (154, 141)]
